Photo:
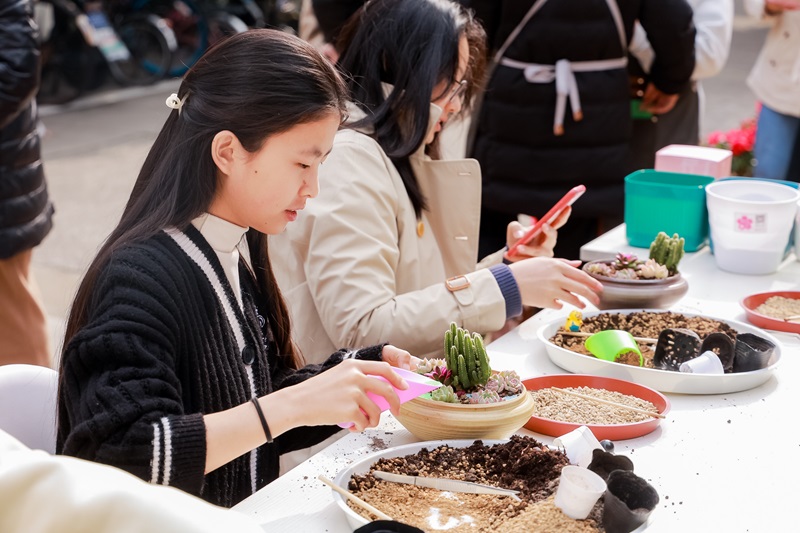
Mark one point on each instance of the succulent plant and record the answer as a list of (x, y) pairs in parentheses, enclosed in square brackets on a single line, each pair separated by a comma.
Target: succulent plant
[(602, 269), (442, 374), (426, 366), (651, 269), (445, 394), (485, 396), (623, 261), (667, 251), (466, 357), (627, 273), (513, 383), (496, 383)]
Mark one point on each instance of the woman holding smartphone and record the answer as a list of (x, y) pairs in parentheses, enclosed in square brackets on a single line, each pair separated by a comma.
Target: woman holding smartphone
[(388, 250)]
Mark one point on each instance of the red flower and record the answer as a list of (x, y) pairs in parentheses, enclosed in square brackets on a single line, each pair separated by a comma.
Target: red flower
[(740, 142), (715, 138)]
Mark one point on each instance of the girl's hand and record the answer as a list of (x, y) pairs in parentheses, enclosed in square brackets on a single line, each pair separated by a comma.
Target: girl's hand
[(546, 282), (340, 395), (399, 358), (542, 245)]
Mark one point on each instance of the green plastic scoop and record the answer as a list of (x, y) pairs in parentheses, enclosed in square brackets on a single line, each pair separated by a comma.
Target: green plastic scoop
[(610, 344)]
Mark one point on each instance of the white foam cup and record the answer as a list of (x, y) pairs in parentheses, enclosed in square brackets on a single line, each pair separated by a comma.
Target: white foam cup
[(706, 363), (578, 491), (578, 445)]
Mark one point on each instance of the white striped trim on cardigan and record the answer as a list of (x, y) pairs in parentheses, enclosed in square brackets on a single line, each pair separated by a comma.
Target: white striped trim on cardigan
[(156, 464), (196, 255), (167, 450)]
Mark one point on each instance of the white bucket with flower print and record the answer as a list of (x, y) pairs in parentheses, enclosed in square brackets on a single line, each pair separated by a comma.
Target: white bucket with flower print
[(750, 223)]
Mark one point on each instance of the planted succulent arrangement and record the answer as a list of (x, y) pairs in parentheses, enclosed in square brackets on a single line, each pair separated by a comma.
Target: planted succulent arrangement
[(665, 254), (465, 374)]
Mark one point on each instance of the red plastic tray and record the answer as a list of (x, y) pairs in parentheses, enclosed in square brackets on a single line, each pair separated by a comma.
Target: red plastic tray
[(757, 319), (554, 428)]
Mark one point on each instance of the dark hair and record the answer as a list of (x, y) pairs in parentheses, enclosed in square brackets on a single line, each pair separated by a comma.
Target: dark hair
[(412, 45), (255, 84)]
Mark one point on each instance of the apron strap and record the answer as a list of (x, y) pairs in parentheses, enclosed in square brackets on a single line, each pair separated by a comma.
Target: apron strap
[(612, 7), (563, 72), (513, 35)]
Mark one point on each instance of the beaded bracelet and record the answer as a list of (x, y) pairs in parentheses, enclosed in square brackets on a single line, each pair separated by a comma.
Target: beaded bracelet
[(263, 420)]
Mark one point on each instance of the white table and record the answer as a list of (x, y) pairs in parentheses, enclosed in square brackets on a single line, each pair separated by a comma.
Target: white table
[(724, 462)]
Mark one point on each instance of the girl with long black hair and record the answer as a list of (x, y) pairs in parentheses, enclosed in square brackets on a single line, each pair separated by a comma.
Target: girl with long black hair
[(178, 363)]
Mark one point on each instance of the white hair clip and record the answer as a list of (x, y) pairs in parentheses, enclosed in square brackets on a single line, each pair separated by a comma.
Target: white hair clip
[(173, 102)]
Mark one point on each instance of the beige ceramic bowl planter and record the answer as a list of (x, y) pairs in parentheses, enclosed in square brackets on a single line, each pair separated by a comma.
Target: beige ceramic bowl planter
[(473, 402), (432, 420)]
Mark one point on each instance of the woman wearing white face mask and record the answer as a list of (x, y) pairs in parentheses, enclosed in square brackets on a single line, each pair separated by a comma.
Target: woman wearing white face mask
[(388, 250)]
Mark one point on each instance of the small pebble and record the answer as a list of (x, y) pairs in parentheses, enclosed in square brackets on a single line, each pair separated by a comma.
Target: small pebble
[(607, 445)]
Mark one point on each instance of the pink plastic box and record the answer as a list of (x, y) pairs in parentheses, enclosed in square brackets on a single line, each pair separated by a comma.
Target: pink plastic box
[(687, 159)]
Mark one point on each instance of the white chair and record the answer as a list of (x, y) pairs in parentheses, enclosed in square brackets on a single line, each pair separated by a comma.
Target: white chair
[(28, 404)]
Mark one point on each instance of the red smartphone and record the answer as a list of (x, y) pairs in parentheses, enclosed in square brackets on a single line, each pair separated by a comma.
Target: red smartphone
[(567, 200)]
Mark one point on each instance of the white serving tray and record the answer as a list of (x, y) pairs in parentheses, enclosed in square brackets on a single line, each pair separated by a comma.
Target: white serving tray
[(363, 465), (661, 380)]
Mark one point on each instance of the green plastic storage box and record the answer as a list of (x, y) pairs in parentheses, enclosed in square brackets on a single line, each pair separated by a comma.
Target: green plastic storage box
[(669, 202)]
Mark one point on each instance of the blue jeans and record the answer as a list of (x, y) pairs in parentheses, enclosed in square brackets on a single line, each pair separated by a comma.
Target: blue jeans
[(777, 141)]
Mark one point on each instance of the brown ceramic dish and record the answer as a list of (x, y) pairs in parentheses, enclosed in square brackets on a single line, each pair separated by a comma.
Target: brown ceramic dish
[(639, 293)]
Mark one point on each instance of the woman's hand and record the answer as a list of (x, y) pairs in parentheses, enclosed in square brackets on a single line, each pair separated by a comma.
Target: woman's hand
[(540, 246), (546, 282), (399, 358)]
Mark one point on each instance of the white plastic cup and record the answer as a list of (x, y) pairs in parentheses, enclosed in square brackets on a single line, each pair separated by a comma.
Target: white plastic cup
[(750, 223), (578, 491), (578, 444), (706, 363)]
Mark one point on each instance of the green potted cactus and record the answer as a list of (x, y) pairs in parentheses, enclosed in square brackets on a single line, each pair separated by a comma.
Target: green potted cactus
[(465, 373), (473, 401), (630, 282)]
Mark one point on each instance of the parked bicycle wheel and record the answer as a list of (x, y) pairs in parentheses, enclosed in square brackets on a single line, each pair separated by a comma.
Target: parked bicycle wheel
[(151, 44), (196, 26), (222, 25)]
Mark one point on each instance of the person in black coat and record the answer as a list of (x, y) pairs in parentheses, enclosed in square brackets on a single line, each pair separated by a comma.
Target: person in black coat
[(25, 209), (531, 153)]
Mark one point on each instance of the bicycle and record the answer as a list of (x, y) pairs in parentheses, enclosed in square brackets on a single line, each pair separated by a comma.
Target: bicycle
[(80, 48), (196, 26)]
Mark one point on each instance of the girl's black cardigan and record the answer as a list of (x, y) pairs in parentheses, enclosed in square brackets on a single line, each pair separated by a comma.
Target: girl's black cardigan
[(156, 355)]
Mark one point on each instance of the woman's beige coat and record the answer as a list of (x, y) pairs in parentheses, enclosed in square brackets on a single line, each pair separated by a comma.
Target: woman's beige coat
[(354, 270)]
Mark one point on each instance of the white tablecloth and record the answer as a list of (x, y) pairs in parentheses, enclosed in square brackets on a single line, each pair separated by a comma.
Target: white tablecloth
[(723, 462)]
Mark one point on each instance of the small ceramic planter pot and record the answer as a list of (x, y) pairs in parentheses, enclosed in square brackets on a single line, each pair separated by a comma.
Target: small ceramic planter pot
[(639, 293)]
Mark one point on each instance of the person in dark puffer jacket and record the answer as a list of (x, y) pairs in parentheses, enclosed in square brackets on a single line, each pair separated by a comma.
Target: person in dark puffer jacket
[(528, 159), (25, 209)]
